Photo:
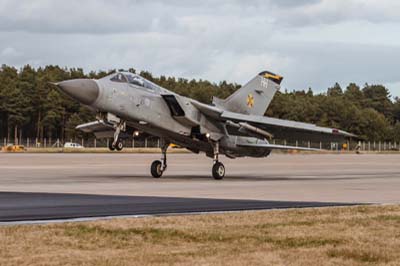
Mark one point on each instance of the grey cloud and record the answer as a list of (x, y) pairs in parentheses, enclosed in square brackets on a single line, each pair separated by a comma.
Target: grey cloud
[(87, 17), (334, 12), (10, 52), (321, 65), (214, 40), (122, 16), (293, 3)]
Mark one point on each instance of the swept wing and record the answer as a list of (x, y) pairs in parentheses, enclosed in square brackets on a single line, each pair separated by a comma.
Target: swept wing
[(278, 128)]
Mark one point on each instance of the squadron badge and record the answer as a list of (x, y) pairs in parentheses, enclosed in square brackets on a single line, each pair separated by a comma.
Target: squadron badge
[(250, 100)]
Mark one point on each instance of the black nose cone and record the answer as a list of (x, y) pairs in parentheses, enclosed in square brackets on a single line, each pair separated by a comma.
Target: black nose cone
[(85, 91)]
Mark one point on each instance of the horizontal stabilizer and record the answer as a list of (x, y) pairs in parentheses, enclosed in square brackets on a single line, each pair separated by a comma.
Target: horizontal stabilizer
[(292, 127)]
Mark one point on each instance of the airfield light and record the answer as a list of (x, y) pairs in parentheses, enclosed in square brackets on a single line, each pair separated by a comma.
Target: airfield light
[(136, 133), (208, 135)]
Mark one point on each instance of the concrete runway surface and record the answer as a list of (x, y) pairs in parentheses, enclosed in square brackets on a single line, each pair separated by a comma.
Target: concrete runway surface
[(341, 178)]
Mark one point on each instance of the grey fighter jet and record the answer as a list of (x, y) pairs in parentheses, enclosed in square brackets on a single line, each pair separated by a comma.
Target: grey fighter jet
[(127, 104)]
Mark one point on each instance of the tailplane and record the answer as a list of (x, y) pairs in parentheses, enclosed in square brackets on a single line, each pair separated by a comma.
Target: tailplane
[(254, 97)]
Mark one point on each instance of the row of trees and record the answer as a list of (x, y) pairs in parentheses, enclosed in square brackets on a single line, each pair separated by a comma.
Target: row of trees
[(31, 107)]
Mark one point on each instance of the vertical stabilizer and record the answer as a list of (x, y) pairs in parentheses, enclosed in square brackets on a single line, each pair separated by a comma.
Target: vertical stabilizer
[(254, 97)]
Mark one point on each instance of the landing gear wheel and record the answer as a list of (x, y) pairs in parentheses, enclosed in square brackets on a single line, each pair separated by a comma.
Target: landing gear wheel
[(158, 167), (155, 169), (110, 145), (218, 171), (119, 146)]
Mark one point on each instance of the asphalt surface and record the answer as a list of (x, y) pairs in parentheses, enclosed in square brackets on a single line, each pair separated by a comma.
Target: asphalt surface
[(17, 206), (60, 186)]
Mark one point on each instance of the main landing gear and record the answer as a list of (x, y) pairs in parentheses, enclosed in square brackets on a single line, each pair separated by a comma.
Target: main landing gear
[(218, 169), (159, 166)]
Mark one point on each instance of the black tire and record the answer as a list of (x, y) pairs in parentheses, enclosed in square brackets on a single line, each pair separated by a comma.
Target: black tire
[(218, 171), (110, 145), (155, 169), (119, 146)]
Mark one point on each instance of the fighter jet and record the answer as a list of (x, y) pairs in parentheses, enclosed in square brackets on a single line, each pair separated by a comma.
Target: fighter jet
[(127, 105)]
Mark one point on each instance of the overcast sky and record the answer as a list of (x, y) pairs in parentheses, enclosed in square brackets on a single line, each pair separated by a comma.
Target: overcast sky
[(312, 43)]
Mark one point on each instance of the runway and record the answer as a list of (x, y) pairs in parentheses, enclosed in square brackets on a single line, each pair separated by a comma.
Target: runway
[(79, 183), (19, 206)]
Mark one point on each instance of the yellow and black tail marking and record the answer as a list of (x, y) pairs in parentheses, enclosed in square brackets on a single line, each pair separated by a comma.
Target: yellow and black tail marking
[(271, 76), (250, 100)]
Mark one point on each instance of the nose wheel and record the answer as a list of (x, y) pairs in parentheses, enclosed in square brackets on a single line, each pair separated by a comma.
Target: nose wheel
[(116, 142), (119, 145)]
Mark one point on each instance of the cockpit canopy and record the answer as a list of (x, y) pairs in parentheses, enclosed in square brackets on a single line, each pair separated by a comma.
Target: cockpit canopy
[(134, 79)]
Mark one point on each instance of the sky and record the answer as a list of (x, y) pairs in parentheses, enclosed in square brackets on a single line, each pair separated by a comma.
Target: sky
[(312, 43)]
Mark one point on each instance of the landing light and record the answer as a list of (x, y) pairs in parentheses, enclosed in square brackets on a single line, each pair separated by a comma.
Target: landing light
[(136, 133), (208, 135)]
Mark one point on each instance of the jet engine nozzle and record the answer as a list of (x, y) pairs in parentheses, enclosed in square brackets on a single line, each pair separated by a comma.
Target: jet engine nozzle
[(85, 91)]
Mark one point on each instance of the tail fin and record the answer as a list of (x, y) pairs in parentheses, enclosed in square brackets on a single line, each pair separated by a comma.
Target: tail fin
[(254, 97)]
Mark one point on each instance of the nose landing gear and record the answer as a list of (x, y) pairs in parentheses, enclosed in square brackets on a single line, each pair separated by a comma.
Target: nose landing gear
[(116, 143), (119, 146)]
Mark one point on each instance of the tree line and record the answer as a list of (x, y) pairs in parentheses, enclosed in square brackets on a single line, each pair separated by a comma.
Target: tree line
[(31, 107)]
